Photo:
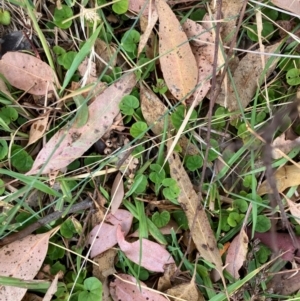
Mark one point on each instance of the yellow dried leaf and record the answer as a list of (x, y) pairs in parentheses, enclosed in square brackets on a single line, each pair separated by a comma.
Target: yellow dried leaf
[(202, 233), (285, 177), (177, 61), (38, 129)]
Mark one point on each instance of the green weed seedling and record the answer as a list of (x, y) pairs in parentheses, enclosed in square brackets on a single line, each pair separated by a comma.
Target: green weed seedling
[(160, 86), (129, 42), (161, 219), (120, 7), (61, 14), (5, 17)]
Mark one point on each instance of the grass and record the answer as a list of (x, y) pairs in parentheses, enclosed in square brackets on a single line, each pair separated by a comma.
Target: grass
[(229, 143)]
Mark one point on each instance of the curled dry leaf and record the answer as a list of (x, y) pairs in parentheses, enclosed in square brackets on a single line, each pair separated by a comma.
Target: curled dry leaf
[(151, 21), (38, 129), (285, 177), (177, 61), (236, 254), (117, 193), (154, 111), (282, 146), (27, 73), (202, 233), (186, 291), (145, 253), (104, 236), (22, 259), (70, 143), (107, 56), (52, 289), (131, 290), (247, 77), (294, 209)]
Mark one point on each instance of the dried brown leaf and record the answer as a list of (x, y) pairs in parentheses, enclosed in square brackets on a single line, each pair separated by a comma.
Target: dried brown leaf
[(230, 14), (27, 73), (236, 254), (177, 61), (38, 129), (203, 50), (154, 111), (70, 143), (285, 177), (148, 31), (247, 77), (186, 291), (292, 6), (202, 233), (22, 259)]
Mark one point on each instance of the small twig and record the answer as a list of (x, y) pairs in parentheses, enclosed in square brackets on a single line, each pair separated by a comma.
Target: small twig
[(46, 220)]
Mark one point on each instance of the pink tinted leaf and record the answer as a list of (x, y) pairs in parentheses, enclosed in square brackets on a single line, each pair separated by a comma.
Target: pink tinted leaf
[(121, 290), (70, 143), (103, 237), (27, 73), (148, 254), (203, 50), (292, 6), (22, 259), (117, 193), (236, 254)]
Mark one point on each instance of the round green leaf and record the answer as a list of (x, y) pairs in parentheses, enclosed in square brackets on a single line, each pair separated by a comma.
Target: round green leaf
[(161, 219), (128, 104), (138, 129), (130, 40), (92, 290), (193, 162), (67, 229), (241, 205), (293, 77), (62, 14), (263, 224), (120, 7)]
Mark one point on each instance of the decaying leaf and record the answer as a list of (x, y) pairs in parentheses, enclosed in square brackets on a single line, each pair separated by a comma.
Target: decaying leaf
[(106, 56), (130, 289), (292, 6), (22, 259), (145, 253), (151, 21), (186, 291), (236, 254), (230, 15), (282, 146), (27, 73), (203, 50), (52, 289), (104, 236), (106, 264), (177, 61), (154, 111), (247, 77), (285, 283), (294, 208), (285, 177), (38, 129), (70, 143), (202, 233)]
